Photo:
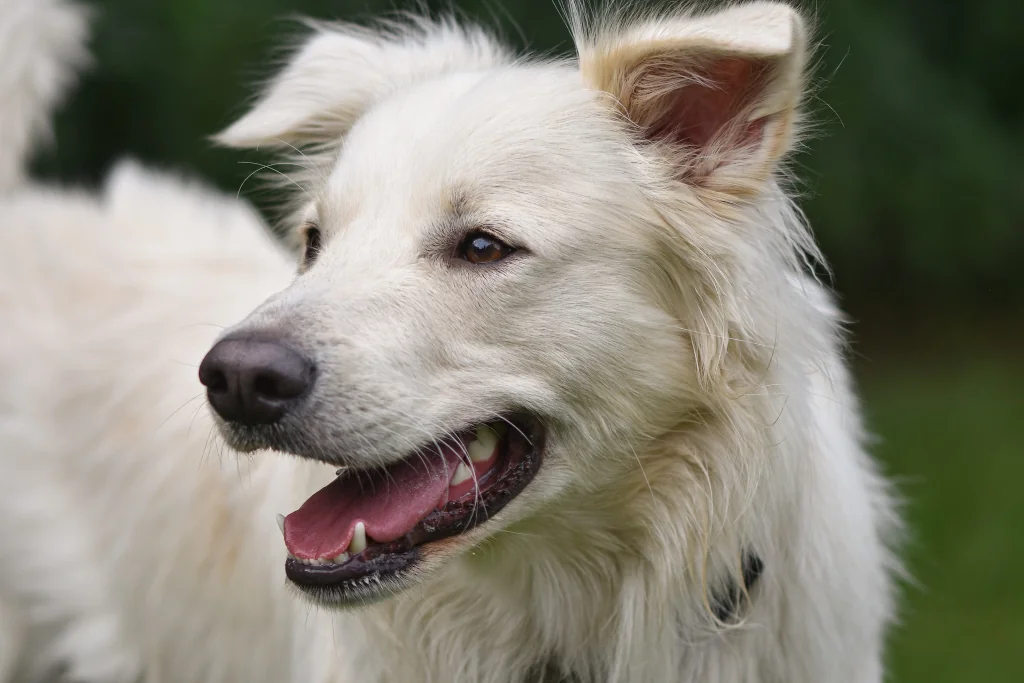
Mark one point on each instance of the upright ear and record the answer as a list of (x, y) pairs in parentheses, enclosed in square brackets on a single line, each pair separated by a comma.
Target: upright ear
[(342, 70), (717, 93)]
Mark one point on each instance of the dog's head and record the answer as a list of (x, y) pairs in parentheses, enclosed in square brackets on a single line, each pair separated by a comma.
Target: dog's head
[(512, 273)]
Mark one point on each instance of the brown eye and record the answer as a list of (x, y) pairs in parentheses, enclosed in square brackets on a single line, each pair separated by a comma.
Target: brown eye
[(312, 245), (479, 247)]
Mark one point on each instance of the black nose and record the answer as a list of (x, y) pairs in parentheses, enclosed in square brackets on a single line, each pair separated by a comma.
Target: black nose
[(254, 381)]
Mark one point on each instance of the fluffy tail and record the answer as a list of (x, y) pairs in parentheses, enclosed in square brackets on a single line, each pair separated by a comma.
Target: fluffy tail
[(42, 42)]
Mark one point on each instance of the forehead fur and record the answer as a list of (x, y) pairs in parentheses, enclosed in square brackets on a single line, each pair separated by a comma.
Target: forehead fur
[(514, 137), (468, 122)]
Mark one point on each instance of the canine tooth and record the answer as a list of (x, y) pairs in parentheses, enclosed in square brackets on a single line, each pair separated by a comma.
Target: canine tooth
[(462, 473), (341, 558), (280, 523), (482, 448), (358, 543)]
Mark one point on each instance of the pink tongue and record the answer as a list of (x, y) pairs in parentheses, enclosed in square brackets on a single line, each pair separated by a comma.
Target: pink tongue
[(390, 503)]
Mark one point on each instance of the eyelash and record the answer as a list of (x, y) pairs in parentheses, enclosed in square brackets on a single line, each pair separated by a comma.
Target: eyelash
[(312, 248)]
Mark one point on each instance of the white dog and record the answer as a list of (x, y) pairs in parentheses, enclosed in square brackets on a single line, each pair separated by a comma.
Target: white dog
[(552, 321)]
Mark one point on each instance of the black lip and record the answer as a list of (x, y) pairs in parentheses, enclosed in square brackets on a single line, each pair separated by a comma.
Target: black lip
[(380, 566), (356, 568)]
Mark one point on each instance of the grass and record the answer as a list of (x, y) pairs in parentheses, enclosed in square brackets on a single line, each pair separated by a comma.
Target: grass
[(951, 431)]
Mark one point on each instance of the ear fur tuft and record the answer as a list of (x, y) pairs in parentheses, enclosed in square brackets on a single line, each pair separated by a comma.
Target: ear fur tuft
[(343, 69)]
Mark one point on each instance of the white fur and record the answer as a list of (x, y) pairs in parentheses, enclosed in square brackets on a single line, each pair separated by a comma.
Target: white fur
[(662, 325), (42, 42)]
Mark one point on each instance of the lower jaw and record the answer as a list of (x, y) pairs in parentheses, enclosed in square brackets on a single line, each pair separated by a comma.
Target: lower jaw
[(371, 581), (384, 569)]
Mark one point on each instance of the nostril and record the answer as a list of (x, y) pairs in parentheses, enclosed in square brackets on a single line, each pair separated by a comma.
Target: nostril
[(215, 381), (282, 384), (266, 386), (213, 372)]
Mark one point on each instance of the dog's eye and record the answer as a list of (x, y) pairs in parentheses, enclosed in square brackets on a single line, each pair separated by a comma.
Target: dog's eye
[(479, 247), (312, 245)]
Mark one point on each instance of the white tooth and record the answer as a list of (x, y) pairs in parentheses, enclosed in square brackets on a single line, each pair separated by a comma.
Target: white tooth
[(483, 447), (358, 543), (340, 559), (280, 523), (462, 473)]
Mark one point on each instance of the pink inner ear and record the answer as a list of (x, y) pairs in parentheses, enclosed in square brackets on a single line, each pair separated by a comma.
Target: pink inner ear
[(696, 113)]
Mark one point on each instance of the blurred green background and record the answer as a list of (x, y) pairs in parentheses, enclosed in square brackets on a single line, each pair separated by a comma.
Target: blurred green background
[(913, 180)]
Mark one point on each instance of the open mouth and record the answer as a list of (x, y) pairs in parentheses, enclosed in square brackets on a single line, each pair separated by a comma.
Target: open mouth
[(366, 530)]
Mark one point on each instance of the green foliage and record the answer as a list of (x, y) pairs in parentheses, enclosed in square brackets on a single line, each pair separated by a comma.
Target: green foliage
[(951, 436), (913, 177), (916, 184)]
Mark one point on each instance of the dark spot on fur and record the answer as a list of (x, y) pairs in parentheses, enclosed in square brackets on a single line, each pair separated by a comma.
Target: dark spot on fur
[(727, 601), (548, 672)]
